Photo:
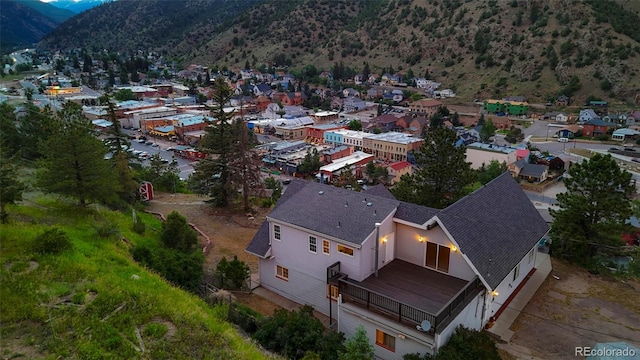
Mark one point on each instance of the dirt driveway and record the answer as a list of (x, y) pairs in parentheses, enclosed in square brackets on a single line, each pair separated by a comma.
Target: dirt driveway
[(577, 309), (230, 232)]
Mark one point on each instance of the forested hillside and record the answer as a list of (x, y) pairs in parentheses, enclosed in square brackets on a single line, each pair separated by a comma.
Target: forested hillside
[(25, 22), (482, 49)]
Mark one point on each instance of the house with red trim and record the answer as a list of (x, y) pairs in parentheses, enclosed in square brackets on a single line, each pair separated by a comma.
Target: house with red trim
[(397, 169)]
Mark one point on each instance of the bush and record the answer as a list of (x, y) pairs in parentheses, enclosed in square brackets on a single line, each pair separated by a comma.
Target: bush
[(244, 316), (232, 274), (266, 203), (177, 234), (107, 229), (53, 241), (469, 344), (139, 227)]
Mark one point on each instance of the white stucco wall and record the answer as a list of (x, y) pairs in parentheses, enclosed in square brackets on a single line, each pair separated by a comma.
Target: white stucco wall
[(410, 249), (470, 317)]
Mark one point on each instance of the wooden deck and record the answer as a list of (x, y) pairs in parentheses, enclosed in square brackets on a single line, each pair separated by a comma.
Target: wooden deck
[(414, 285)]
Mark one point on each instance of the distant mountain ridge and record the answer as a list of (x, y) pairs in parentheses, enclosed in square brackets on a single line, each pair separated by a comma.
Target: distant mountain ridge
[(25, 22), (77, 6), (481, 49)]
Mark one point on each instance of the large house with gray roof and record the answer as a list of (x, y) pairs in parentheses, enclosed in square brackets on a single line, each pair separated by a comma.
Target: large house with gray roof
[(408, 273)]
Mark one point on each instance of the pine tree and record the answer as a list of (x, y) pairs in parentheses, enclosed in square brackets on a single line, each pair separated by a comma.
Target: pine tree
[(211, 175), (11, 187), (593, 211), (74, 163), (441, 172), (358, 347), (35, 127), (488, 130)]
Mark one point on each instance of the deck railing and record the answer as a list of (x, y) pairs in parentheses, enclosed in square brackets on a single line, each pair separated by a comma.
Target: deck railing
[(405, 313)]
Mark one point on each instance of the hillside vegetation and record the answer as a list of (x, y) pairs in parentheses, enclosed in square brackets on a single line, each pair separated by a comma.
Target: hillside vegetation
[(482, 49), (93, 301)]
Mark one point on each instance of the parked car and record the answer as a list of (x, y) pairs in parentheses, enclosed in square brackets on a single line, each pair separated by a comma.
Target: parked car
[(563, 140), (154, 145), (149, 142), (286, 181)]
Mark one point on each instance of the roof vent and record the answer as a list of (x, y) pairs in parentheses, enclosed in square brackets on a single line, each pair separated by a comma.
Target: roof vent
[(346, 203), (320, 192), (365, 200), (369, 203), (339, 224)]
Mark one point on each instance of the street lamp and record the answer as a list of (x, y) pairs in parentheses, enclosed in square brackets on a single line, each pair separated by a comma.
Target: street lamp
[(547, 138)]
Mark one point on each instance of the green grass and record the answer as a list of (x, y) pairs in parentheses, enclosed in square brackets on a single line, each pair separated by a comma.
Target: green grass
[(84, 303)]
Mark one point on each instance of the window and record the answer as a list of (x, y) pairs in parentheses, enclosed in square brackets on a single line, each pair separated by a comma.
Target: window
[(326, 247), (332, 291), (313, 244), (516, 272), (437, 257), (276, 232), (385, 340), (345, 250), (531, 255), (282, 272)]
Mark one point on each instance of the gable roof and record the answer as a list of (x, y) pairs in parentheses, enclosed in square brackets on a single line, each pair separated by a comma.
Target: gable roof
[(495, 227), (397, 166), (380, 190), (261, 243), (598, 122), (534, 170), (335, 212)]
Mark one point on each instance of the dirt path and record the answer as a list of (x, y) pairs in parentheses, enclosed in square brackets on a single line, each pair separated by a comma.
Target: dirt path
[(230, 233), (576, 309)]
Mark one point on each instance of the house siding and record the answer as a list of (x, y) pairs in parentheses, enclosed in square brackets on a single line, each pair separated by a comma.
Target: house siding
[(508, 285), (307, 271), (471, 317), (350, 317), (410, 249)]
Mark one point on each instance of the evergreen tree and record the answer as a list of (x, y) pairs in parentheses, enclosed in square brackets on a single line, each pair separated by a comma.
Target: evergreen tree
[(366, 72), (593, 211), (487, 132), (491, 171), (177, 234), (74, 163), (11, 187), (212, 175), (125, 177), (35, 127), (9, 135), (358, 347), (117, 139), (441, 173)]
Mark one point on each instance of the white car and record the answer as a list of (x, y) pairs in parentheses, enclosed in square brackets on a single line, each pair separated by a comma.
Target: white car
[(563, 140)]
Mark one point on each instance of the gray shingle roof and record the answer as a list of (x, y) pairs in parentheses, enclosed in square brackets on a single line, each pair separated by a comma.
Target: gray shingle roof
[(333, 211), (495, 227), (260, 243), (535, 170), (380, 190), (416, 214)]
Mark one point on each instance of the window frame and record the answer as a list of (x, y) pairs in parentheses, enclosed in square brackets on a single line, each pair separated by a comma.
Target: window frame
[(516, 272), (277, 232), (352, 250), (332, 292), (382, 340), (313, 244), (327, 247), (284, 272)]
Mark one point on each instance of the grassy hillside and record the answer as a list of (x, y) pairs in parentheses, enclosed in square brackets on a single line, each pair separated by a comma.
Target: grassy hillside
[(95, 302)]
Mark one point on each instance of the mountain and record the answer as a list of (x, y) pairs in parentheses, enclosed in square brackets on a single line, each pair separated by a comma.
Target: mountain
[(482, 49), (77, 6), (25, 22)]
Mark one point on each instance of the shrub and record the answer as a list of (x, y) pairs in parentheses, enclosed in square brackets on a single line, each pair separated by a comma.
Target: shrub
[(177, 234), (106, 229), (232, 273), (266, 203), (52, 241), (139, 227), (469, 344), (244, 316)]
